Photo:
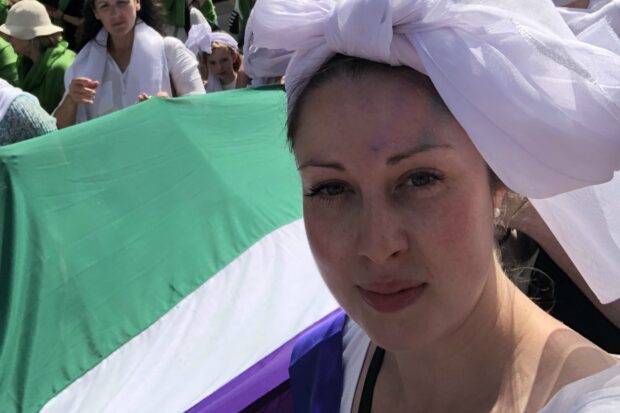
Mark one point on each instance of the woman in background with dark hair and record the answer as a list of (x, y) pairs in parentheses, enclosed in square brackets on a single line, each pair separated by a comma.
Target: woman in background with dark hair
[(125, 59)]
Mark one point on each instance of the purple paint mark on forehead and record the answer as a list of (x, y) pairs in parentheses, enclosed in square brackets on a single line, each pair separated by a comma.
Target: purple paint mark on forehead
[(377, 144), (376, 147)]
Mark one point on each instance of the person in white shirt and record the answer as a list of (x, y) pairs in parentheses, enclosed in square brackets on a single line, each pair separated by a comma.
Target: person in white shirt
[(125, 60)]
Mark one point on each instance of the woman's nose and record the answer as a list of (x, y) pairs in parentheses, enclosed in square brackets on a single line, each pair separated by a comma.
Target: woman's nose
[(381, 236)]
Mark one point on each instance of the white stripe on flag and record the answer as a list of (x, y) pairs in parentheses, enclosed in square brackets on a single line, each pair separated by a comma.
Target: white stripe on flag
[(265, 297)]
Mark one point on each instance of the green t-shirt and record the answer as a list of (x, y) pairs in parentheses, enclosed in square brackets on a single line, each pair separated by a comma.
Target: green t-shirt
[(45, 78), (8, 63), (4, 10), (208, 10)]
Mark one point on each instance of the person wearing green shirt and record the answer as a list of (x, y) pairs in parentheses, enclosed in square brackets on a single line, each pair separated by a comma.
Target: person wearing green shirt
[(8, 58), (8, 63), (239, 19), (4, 10), (43, 55), (207, 8)]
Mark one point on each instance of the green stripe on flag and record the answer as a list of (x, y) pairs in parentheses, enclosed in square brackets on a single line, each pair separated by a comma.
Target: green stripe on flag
[(109, 224)]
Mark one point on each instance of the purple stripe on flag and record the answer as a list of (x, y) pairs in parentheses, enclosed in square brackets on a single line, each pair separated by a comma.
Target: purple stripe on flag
[(254, 382)]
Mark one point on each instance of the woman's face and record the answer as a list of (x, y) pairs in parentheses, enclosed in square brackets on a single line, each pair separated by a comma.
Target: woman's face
[(398, 207), (220, 62), (21, 47), (118, 17)]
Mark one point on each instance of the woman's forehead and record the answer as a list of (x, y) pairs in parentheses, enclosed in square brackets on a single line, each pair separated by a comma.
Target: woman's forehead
[(381, 113)]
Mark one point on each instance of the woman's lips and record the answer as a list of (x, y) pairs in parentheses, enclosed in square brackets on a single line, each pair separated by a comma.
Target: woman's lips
[(390, 299)]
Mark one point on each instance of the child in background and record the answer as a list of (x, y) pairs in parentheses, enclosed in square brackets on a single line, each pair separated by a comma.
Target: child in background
[(218, 57)]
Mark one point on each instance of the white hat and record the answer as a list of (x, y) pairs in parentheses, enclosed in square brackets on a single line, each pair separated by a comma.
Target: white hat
[(28, 19)]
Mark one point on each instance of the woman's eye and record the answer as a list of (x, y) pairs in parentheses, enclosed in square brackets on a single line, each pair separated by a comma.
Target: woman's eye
[(329, 190), (422, 179)]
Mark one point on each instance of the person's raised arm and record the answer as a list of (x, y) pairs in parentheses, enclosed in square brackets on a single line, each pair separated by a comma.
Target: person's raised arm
[(81, 91)]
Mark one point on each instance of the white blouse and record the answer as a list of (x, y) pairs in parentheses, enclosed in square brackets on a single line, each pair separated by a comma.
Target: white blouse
[(183, 69)]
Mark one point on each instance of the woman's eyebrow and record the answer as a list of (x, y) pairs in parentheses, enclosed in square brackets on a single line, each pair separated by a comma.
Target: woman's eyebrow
[(319, 164), (394, 159)]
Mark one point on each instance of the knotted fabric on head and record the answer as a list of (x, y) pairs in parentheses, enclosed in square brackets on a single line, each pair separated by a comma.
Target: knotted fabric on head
[(599, 24), (201, 36), (541, 106), (263, 66)]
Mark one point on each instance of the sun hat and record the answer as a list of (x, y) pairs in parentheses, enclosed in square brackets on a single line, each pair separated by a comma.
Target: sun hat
[(28, 19)]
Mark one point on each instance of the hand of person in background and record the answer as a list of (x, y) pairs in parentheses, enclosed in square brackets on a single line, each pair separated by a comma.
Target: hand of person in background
[(83, 90), (53, 12), (143, 96)]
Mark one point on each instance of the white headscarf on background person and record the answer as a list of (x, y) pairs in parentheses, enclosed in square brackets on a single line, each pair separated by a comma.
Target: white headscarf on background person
[(200, 39), (535, 100), (264, 66), (8, 93)]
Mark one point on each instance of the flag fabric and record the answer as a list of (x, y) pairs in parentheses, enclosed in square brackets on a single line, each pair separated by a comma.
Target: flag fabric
[(154, 259)]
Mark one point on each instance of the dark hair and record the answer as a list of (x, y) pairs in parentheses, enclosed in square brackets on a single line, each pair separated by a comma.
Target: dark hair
[(43, 43), (353, 67), (152, 12)]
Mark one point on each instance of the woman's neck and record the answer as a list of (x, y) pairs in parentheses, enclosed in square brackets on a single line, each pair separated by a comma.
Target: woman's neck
[(508, 355), (34, 55), (468, 369), (120, 48)]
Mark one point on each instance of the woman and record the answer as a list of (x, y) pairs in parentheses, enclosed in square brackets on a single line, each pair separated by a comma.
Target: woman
[(21, 116), (125, 60), (400, 202), (218, 55), (44, 56)]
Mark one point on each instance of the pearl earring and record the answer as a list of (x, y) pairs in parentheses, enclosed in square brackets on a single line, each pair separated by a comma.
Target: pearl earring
[(496, 213)]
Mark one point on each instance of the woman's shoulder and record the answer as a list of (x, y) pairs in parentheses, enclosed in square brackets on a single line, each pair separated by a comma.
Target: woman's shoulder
[(176, 50), (172, 43), (599, 392), (64, 59), (579, 374)]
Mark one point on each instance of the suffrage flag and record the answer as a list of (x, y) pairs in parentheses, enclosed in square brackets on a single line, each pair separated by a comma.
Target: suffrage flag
[(154, 260)]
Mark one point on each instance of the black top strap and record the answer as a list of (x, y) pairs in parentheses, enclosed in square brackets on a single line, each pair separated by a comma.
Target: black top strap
[(371, 378)]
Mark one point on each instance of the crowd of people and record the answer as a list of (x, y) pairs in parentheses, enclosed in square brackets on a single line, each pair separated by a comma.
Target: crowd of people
[(85, 59), (369, 224)]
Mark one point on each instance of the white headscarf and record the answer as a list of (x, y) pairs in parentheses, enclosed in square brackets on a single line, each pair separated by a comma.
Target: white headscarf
[(541, 106), (263, 65), (599, 24), (200, 39)]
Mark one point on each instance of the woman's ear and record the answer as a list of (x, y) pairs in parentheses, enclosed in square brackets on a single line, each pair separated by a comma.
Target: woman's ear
[(498, 197), (137, 5)]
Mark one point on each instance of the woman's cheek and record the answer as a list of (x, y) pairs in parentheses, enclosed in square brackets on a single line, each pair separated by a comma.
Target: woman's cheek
[(331, 232)]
